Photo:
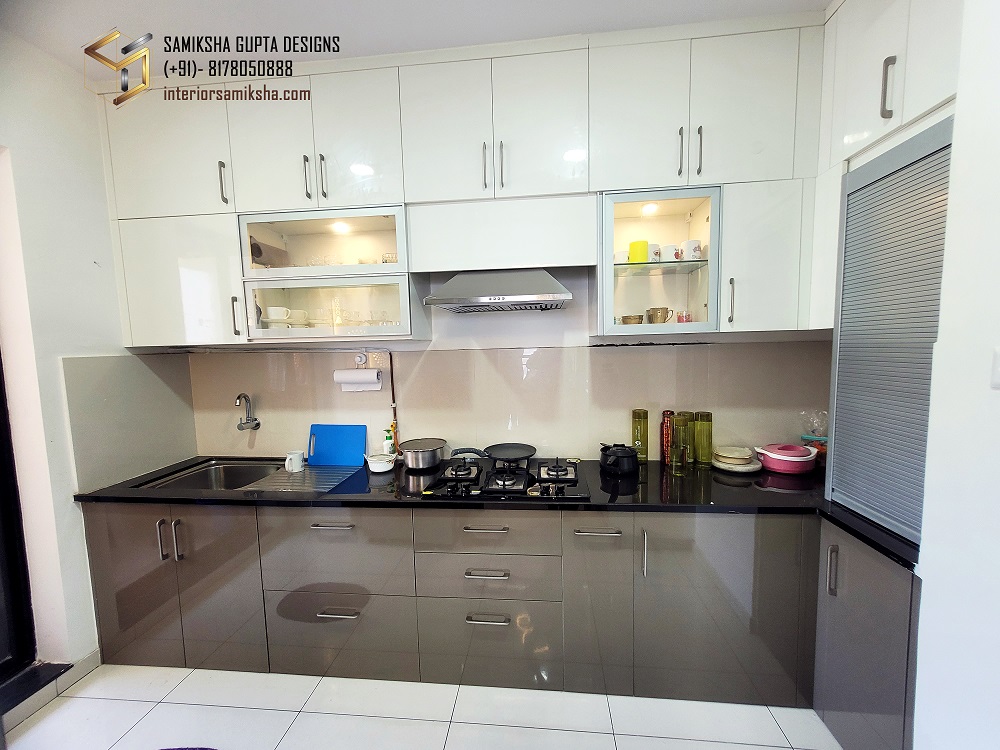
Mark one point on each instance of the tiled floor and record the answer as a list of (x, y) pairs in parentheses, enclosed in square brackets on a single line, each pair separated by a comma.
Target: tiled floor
[(151, 708)]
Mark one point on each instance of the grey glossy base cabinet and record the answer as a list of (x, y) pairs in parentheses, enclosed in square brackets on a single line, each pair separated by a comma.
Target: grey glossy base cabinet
[(863, 644), (177, 585)]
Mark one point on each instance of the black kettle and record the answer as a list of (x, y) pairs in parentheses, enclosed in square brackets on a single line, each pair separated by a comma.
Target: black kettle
[(619, 459)]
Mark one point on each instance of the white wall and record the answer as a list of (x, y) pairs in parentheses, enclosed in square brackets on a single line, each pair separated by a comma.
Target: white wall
[(957, 658), (59, 298)]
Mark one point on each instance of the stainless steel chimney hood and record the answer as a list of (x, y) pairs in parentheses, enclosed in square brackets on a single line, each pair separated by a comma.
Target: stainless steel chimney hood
[(500, 291)]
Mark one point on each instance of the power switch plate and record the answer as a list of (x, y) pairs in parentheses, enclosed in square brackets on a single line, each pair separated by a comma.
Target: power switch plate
[(995, 374)]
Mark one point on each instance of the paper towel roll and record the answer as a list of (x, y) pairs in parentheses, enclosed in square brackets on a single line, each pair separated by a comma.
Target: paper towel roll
[(358, 380)]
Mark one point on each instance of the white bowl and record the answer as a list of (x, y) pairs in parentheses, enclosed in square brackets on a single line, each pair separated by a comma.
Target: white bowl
[(380, 462)]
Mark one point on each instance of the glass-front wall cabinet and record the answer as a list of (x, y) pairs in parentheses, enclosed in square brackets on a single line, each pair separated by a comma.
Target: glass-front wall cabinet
[(659, 261)]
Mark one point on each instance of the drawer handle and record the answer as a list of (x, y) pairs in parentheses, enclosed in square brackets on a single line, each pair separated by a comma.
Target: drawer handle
[(475, 618), (332, 526), (338, 613), (487, 529), (597, 532), (480, 574)]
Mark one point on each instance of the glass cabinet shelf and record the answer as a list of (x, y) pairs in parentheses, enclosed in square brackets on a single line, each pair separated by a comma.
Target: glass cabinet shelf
[(659, 268)]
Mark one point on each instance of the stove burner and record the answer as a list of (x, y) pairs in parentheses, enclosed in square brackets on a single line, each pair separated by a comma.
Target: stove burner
[(462, 470), (557, 470), (506, 480)]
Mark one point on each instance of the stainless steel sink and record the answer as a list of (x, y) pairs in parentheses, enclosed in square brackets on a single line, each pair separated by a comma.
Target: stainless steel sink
[(217, 475)]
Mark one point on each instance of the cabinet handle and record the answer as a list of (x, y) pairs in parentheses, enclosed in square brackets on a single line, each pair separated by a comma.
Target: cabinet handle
[(164, 555), (484, 165), (832, 568), (680, 156), (332, 526), (305, 175), (222, 183), (501, 165), (732, 299), (236, 328), (178, 555), (645, 551), (476, 618), (338, 613), (322, 176), (884, 105), (487, 529), (478, 574), (597, 532), (701, 147)]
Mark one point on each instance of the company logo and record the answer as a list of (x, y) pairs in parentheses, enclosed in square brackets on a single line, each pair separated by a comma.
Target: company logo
[(135, 52)]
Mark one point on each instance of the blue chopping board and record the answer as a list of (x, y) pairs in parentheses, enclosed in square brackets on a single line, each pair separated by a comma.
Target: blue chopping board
[(337, 444)]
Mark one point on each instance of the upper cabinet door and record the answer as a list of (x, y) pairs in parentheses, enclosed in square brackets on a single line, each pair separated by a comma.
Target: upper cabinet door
[(272, 142), (358, 146), (447, 120), (743, 91), (868, 80), (171, 158), (540, 123), (932, 44), (639, 115)]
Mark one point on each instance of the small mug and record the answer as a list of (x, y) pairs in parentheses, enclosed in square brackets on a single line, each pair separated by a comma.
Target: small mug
[(678, 252), (684, 316), (659, 314), (295, 461), (278, 313), (667, 252), (638, 251), (279, 325), (653, 253), (298, 316), (692, 249)]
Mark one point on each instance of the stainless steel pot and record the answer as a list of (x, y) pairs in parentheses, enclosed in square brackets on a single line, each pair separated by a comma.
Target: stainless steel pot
[(424, 453)]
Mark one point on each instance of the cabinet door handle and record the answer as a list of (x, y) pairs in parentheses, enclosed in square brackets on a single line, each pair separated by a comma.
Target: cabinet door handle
[(322, 176), (305, 175), (884, 104), (732, 299), (338, 613), (332, 526), (484, 165), (236, 327), (680, 156), (164, 555), (501, 165), (487, 529), (479, 574), (222, 182), (645, 551), (832, 568), (597, 532), (178, 555), (701, 147), (478, 618)]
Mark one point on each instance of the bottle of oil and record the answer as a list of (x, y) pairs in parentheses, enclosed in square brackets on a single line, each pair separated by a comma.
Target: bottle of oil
[(640, 433), (666, 427), (703, 438), (688, 434)]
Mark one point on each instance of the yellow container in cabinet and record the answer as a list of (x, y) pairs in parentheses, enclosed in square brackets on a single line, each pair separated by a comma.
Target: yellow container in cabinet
[(638, 251)]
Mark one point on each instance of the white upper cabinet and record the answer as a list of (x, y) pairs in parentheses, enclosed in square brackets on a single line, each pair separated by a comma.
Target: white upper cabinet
[(743, 94), (447, 121), (639, 97), (274, 165), (183, 280), (359, 157), (540, 124), (932, 50), (761, 238), (170, 158), (869, 76)]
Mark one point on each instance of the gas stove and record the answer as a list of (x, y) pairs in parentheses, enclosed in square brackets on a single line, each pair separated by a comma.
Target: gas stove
[(485, 479)]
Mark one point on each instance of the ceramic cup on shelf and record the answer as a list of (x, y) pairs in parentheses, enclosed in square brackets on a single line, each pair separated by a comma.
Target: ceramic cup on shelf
[(297, 316), (667, 252), (295, 461), (659, 314), (278, 313), (621, 256), (653, 253), (638, 251), (691, 249), (685, 316)]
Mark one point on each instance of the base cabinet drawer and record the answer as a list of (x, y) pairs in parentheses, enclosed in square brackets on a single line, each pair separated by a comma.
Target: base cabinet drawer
[(337, 550), (489, 576), (506, 643), (507, 532), (342, 635)]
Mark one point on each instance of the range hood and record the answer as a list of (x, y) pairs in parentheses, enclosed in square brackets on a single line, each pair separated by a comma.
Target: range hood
[(500, 291)]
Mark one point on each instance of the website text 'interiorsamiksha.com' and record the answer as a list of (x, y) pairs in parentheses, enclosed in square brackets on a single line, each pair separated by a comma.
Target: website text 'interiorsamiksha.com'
[(246, 93)]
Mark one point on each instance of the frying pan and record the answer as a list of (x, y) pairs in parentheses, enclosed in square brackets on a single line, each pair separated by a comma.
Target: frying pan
[(506, 452)]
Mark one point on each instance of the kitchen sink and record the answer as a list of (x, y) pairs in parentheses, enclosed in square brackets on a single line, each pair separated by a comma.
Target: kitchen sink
[(217, 475)]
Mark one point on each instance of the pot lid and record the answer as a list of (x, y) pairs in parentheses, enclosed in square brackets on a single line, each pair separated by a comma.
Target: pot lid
[(423, 444)]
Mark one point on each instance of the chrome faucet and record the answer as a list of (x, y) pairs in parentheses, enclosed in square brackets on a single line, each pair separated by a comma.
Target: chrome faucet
[(249, 422)]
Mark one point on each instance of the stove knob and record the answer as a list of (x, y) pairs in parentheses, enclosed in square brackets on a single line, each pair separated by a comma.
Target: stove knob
[(451, 489), (544, 489), (560, 489), (465, 490)]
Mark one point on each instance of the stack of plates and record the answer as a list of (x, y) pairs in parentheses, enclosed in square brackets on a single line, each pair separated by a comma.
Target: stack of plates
[(735, 459)]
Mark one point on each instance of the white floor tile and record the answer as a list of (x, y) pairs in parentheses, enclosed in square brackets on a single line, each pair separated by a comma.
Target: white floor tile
[(696, 720), (485, 737), (625, 742), (78, 723), (29, 706), (209, 687), (804, 729), (540, 709), (128, 683), (173, 725), (335, 730), (398, 700)]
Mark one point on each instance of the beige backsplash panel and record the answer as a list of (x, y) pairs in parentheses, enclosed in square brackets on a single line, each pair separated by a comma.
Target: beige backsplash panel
[(564, 401)]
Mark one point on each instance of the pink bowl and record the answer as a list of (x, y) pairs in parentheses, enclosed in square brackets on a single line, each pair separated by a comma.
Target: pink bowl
[(787, 459)]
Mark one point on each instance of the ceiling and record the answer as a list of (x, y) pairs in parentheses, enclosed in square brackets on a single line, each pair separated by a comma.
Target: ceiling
[(63, 27)]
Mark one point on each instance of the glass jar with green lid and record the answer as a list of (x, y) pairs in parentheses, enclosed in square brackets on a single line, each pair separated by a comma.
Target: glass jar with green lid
[(703, 437)]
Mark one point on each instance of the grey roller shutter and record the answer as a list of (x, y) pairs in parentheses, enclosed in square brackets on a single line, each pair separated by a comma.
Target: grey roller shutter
[(890, 297)]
